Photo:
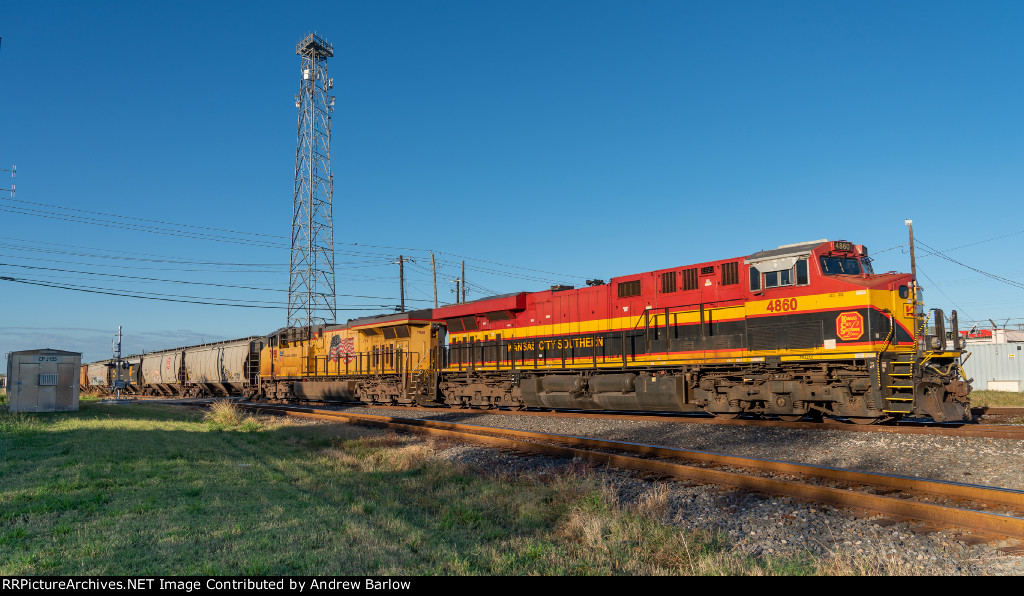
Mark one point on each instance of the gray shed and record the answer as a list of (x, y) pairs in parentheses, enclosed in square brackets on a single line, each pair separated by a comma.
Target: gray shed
[(43, 380), (996, 367)]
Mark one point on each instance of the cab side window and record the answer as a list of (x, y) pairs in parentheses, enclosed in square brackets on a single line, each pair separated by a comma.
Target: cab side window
[(795, 275), (802, 279)]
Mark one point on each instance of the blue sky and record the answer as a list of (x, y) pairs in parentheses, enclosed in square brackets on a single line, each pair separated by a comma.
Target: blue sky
[(546, 142)]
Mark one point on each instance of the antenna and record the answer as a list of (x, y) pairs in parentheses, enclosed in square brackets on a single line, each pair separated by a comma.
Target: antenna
[(311, 288)]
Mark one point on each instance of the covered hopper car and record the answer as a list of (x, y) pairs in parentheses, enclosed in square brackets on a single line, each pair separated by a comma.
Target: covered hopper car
[(226, 368)]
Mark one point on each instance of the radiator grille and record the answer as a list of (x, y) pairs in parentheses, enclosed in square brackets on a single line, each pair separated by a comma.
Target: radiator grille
[(690, 279), (730, 274)]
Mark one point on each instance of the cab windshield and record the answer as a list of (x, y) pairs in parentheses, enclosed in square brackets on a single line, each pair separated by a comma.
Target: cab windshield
[(840, 266)]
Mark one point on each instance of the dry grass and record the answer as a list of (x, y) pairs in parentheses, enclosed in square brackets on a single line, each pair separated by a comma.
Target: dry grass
[(1005, 399), (641, 539), (156, 490), (226, 415), (382, 453)]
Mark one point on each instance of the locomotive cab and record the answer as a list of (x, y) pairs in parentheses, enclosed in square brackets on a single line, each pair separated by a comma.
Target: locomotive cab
[(824, 298)]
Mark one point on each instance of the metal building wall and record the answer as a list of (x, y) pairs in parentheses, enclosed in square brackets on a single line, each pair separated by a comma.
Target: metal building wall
[(1002, 365)]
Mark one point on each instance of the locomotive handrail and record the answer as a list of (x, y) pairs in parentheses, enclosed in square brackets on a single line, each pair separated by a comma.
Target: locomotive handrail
[(402, 365), (418, 362)]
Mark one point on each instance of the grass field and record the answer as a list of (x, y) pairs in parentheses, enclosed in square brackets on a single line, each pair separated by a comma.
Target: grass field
[(159, 490), (996, 399)]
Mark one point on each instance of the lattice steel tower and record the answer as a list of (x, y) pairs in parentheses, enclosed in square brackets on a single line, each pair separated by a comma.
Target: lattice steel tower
[(311, 295)]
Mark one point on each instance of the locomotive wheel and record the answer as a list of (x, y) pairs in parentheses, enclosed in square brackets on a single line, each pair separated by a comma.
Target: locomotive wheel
[(726, 415), (864, 421), (790, 417)]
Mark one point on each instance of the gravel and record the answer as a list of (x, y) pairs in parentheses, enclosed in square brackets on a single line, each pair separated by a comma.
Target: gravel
[(759, 524)]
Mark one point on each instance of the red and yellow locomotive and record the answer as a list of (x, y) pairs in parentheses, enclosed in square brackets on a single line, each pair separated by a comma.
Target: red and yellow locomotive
[(802, 330)]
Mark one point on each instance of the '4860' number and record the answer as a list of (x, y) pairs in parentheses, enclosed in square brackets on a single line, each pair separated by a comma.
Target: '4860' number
[(782, 305)]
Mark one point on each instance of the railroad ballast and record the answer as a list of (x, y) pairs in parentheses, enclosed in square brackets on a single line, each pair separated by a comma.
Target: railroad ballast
[(804, 330)]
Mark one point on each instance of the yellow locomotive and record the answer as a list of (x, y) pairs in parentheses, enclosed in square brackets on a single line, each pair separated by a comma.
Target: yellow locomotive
[(382, 359)]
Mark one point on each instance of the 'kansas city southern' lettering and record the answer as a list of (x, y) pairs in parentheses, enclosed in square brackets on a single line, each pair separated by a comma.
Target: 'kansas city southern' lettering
[(557, 344)]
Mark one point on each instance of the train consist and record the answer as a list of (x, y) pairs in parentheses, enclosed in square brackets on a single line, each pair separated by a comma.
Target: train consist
[(804, 330)]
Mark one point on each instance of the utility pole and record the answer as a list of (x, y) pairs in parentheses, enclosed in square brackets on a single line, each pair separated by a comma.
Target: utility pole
[(456, 281), (433, 268), (401, 279), (463, 278), (311, 288)]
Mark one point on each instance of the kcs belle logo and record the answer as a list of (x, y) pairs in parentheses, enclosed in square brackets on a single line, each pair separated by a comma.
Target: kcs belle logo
[(849, 326)]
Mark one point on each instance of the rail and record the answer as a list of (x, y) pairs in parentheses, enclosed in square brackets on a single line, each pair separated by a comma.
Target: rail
[(702, 468)]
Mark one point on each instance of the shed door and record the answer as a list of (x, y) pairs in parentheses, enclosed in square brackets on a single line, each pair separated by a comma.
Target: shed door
[(28, 389), (65, 388), (47, 379)]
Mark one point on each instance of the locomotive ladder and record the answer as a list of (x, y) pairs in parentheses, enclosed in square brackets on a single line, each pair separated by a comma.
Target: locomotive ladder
[(901, 387), (252, 364)]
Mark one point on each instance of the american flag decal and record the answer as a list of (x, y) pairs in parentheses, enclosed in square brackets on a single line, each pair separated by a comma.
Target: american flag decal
[(340, 348)]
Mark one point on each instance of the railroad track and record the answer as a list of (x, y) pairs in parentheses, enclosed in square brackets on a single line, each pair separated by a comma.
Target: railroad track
[(938, 503), (997, 411), (988, 431)]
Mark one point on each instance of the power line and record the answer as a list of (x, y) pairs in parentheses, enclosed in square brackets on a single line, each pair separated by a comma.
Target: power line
[(93, 221), (938, 253), (177, 281), (164, 298), (136, 267), (22, 244), (986, 240), (939, 288), (90, 291)]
